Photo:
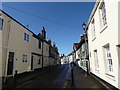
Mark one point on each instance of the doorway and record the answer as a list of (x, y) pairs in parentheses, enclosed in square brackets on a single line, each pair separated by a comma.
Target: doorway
[(10, 63)]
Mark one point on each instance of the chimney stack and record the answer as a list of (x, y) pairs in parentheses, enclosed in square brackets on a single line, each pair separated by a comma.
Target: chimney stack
[(43, 33), (49, 41)]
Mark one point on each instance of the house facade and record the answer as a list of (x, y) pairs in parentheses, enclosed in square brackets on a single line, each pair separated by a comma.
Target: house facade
[(104, 41), (20, 49), (81, 53)]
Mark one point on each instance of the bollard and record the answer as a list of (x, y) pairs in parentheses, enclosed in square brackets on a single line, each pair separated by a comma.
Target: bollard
[(15, 78), (72, 76)]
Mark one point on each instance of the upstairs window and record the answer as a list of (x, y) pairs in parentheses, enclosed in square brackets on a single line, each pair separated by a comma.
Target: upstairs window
[(103, 14), (1, 23), (26, 37), (93, 28)]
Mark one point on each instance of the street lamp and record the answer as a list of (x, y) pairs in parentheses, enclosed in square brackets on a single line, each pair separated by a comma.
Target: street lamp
[(86, 47)]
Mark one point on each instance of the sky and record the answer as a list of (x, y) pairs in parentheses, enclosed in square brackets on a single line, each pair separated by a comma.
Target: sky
[(62, 20)]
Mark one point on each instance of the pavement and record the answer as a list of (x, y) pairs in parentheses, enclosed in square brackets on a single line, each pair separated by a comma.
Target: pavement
[(81, 80), (11, 82)]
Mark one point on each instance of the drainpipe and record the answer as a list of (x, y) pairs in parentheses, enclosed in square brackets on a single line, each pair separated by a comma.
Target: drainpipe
[(42, 53), (6, 61)]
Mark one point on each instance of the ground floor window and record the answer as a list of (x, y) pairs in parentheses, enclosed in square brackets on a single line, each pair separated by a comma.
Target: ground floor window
[(24, 58), (39, 60), (96, 59), (108, 59)]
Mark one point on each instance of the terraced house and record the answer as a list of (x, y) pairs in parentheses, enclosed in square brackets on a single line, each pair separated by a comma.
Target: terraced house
[(20, 49), (104, 41)]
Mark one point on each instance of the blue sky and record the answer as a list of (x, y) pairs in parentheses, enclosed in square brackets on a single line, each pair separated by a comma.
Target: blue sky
[(62, 20)]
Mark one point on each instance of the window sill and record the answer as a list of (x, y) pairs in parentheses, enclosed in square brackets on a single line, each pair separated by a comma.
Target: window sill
[(103, 28), (93, 38), (110, 75)]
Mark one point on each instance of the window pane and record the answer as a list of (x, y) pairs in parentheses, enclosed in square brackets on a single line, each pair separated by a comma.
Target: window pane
[(103, 14), (1, 24), (25, 36), (39, 44)]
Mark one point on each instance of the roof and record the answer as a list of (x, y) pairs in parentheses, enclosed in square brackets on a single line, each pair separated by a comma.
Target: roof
[(76, 45), (39, 36), (16, 21)]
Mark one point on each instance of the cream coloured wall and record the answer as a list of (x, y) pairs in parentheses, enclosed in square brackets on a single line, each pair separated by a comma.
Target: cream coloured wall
[(13, 41), (4, 34), (45, 51), (103, 37), (19, 47), (45, 54)]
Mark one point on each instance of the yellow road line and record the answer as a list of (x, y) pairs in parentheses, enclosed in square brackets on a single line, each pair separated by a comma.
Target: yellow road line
[(65, 84)]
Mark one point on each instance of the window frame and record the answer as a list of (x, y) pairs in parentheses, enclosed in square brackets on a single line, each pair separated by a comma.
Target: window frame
[(96, 60), (39, 60), (93, 28), (103, 16), (24, 58), (109, 66), (26, 37), (2, 21)]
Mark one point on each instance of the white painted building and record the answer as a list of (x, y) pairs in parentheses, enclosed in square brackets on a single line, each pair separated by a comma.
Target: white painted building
[(104, 41)]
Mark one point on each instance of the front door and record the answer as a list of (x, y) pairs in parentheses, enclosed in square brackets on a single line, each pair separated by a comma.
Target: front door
[(10, 63)]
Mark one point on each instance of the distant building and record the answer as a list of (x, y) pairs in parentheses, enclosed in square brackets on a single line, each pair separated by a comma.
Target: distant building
[(75, 56), (81, 54)]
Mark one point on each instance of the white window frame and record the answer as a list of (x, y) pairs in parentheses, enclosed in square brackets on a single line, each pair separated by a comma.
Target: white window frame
[(103, 18), (108, 58), (93, 28), (96, 59), (2, 21), (26, 37), (25, 58), (39, 60)]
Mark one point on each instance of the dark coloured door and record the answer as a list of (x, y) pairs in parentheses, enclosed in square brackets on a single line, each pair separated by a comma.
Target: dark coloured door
[(10, 63), (32, 63)]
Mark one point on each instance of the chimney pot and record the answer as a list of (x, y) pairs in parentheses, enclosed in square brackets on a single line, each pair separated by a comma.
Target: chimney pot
[(43, 33)]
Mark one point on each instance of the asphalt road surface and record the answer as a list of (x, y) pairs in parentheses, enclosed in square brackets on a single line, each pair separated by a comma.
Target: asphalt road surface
[(53, 79)]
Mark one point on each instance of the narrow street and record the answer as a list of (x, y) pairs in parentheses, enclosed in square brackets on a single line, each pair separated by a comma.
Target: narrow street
[(53, 79)]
